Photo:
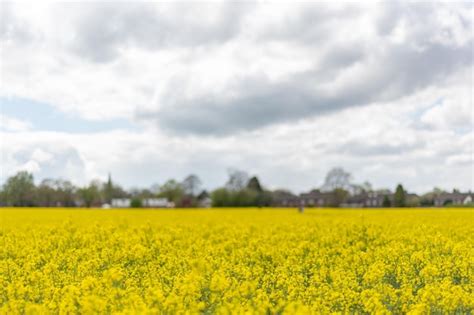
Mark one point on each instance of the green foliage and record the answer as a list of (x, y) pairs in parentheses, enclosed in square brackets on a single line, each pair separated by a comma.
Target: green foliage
[(220, 197), (19, 190), (399, 199), (55, 193), (244, 198), (223, 197), (338, 197), (172, 190), (108, 190), (448, 202), (254, 184), (90, 195), (265, 199), (46, 193), (3, 199), (386, 203), (136, 203)]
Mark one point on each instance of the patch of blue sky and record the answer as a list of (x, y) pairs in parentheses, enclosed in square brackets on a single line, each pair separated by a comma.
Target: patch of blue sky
[(419, 112), (45, 117)]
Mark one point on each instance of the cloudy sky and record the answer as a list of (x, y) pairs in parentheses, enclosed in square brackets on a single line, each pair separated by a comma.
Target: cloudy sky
[(150, 92)]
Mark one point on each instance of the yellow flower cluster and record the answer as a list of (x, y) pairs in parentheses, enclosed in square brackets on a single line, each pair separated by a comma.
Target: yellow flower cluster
[(236, 261)]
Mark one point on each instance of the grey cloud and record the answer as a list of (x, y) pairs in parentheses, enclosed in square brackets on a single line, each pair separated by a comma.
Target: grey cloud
[(390, 71), (396, 72), (365, 148), (343, 56), (388, 16), (103, 30), (312, 23)]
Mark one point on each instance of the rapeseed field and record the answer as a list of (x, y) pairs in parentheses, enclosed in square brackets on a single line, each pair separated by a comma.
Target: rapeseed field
[(61, 261)]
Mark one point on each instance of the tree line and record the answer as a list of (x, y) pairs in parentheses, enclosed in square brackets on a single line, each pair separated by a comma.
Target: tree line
[(240, 190), (20, 190)]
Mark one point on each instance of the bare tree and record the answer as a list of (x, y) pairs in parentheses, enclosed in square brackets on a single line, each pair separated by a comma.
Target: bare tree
[(337, 178), (237, 180), (357, 189), (191, 185), (66, 191)]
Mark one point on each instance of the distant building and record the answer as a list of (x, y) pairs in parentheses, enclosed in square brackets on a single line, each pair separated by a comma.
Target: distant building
[(357, 201), (121, 203), (376, 199), (454, 198), (157, 203), (316, 198), (204, 200), (283, 198)]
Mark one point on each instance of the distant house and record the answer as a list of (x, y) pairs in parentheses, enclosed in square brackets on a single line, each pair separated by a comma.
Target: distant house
[(121, 203), (283, 198), (357, 201), (376, 199), (371, 199), (316, 198), (204, 200), (454, 198), (157, 203)]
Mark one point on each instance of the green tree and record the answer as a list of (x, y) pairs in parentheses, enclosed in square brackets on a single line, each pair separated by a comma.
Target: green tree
[(19, 190), (136, 202), (244, 198), (66, 192), (46, 194), (3, 199), (262, 196), (386, 203), (90, 194), (108, 190), (220, 197), (399, 199), (254, 184), (172, 190)]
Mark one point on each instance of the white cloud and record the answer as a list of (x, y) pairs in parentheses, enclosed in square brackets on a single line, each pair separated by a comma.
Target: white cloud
[(388, 150), (149, 58), (41, 156), (454, 111), (284, 91), (30, 166), (13, 124), (46, 155)]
